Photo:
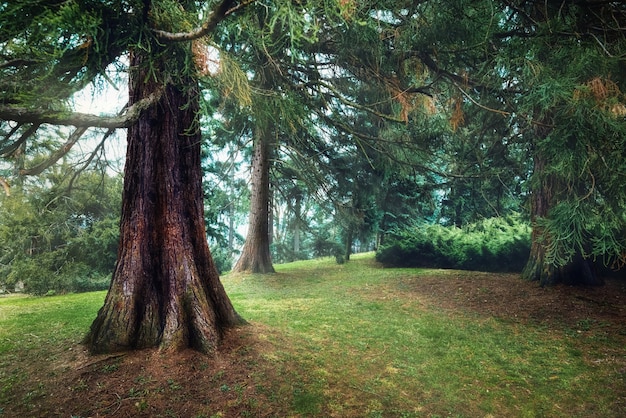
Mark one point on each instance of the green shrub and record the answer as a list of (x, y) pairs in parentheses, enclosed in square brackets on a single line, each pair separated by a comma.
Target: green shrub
[(57, 238), (222, 258), (90, 283), (37, 277), (50, 272), (495, 244), (323, 247)]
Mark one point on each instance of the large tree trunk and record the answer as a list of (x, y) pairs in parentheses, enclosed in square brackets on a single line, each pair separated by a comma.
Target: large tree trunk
[(165, 290), (579, 270), (255, 255)]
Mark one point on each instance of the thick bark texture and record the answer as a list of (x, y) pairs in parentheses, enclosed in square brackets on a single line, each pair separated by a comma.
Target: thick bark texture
[(165, 290), (255, 255), (579, 270)]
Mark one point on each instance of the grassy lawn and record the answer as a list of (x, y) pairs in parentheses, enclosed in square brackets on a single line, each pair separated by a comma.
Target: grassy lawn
[(368, 345), (355, 340)]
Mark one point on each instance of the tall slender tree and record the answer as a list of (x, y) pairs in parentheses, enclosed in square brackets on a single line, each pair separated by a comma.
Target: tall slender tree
[(255, 255)]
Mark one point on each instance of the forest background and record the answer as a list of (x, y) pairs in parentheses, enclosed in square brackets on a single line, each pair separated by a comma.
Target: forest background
[(479, 135)]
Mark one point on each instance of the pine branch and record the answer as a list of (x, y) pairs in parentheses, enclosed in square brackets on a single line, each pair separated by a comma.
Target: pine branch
[(7, 150), (17, 63), (56, 156), (214, 18), (65, 148), (90, 159), (336, 94)]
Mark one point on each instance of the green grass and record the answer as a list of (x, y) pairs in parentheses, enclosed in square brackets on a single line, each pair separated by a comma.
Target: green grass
[(29, 321), (352, 340), (365, 345), (36, 329)]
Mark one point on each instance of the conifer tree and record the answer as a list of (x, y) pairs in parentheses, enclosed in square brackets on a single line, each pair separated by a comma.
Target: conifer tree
[(165, 291)]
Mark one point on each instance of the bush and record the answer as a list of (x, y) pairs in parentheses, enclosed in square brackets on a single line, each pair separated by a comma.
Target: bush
[(222, 258), (48, 273), (90, 283), (58, 238), (495, 244), (327, 248)]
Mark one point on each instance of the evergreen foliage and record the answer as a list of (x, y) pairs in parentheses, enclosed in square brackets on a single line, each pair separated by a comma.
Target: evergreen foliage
[(56, 239), (378, 113), (494, 244)]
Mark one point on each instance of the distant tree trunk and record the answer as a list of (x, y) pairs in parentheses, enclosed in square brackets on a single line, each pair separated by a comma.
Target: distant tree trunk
[(270, 221), (165, 291), (579, 270), (255, 255), (231, 228), (348, 243), (231, 207), (296, 223)]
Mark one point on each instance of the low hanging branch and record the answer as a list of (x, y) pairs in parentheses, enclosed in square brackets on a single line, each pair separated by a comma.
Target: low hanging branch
[(56, 156), (337, 95), (93, 155), (9, 149), (64, 149), (79, 120)]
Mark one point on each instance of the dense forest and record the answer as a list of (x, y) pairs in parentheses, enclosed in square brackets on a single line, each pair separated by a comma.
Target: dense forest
[(483, 135)]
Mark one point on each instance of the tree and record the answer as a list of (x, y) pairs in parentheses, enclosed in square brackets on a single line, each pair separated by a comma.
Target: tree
[(507, 58), (577, 125), (255, 255), (267, 54), (165, 291), (163, 220), (302, 72)]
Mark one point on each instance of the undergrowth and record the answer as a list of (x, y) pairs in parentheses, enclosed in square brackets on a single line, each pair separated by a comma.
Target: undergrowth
[(495, 244)]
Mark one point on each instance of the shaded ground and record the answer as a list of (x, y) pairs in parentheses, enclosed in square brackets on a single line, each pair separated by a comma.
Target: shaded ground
[(243, 379), (508, 297)]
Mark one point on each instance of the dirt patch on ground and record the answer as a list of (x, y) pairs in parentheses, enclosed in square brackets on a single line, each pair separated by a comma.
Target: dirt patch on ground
[(508, 297), (244, 378), (239, 380)]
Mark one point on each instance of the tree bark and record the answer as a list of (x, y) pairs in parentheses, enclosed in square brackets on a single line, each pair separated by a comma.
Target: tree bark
[(165, 291), (297, 221), (255, 255), (579, 270), (348, 243)]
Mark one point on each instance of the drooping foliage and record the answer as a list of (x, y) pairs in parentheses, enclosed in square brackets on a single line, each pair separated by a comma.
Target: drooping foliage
[(511, 94)]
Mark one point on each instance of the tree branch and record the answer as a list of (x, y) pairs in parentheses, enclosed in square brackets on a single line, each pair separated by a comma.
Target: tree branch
[(65, 148), (215, 17), (337, 95), (56, 156), (90, 159), (7, 150), (79, 120), (17, 63)]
